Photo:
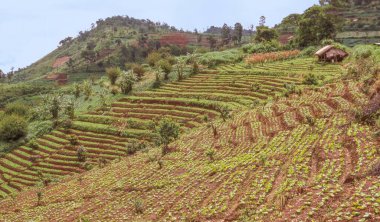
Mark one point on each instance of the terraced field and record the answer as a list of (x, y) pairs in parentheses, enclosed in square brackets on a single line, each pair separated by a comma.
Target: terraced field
[(105, 134), (296, 67), (292, 159)]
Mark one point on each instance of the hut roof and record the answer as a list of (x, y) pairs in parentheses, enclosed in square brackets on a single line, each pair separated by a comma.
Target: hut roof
[(324, 50), (331, 51)]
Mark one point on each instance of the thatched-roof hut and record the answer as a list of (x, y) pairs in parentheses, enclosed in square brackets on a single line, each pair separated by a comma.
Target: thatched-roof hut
[(330, 53)]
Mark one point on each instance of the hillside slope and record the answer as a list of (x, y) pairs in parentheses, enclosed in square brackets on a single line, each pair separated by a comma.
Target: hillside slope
[(107, 133), (293, 159)]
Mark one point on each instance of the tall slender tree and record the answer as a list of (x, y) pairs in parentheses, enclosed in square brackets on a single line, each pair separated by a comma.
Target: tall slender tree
[(226, 34), (238, 32), (262, 21)]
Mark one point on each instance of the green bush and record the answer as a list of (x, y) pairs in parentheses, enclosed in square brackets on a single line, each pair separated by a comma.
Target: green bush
[(212, 59), (310, 79), (33, 144), (13, 127), (271, 46), (113, 73), (309, 51), (16, 108)]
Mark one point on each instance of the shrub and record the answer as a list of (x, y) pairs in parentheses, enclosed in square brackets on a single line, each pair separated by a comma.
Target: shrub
[(77, 90), (81, 154), (87, 89), (153, 58), (13, 127), (310, 120), (168, 131), (210, 153), (212, 59), (255, 87), (166, 68), (73, 140), (133, 147), (138, 70), (39, 197), (113, 73), (33, 144), (16, 108), (157, 82), (195, 68), (271, 46), (309, 51), (160, 164), (291, 89), (127, 79), (70, 109), (225, 113), (139, 206), (310, 79)]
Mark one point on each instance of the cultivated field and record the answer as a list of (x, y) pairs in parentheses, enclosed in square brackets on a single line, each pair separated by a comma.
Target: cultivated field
[(292, 158)]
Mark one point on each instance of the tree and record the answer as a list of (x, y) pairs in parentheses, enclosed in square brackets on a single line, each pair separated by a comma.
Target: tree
[(212, 41), (153, 58), (195, 68), (91, 45), (81, 154), (65, 41), (315, 25), (113, 73), (89, 56), (157, 82), (138, 70), (265, 34), (166, 68), (2, 75), (77, 90), (180, 66), (262, 21), (54, 105), (238, 32), (226, 34), (87, 89), (71, 64), (168, 131), (127, 79)]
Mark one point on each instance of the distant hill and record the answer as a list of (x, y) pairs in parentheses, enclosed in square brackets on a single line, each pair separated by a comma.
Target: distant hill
[(110, 42)]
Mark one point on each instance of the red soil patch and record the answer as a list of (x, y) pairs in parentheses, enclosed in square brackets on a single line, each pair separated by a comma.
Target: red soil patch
[(60, 61), (60, 78), (285, 38), (183, 39)]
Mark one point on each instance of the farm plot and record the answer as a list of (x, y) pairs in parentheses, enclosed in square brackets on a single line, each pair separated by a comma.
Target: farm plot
[(106, 134), (281, 170), (294, 67)]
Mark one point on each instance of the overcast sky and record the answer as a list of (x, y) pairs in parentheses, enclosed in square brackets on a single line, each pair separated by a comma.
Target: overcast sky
[(29, 29)]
